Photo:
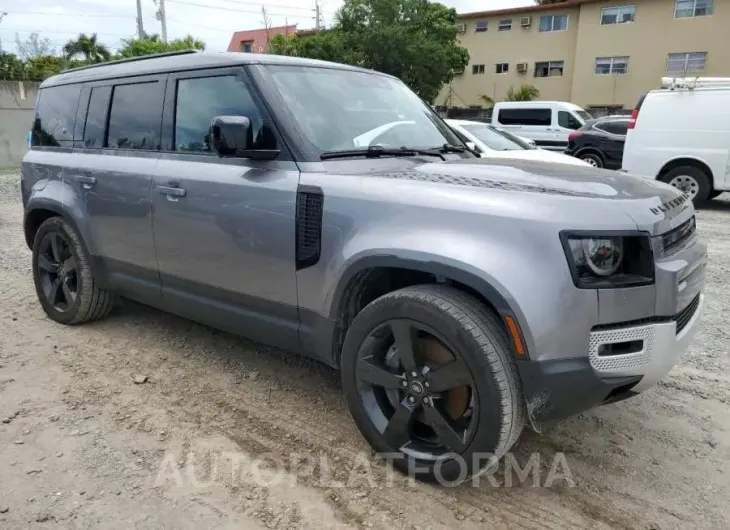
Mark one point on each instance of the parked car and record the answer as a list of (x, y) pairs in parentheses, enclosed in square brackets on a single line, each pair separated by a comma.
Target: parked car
[(548, 123), (522, 139), (491, 142), (460, 297), (600, 143), (680, 134)]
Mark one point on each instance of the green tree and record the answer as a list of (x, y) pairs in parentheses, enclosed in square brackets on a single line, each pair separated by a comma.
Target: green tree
[(414, 40), (524, 93), (44, 66), (11, 67), (153, 44), (88, 48)]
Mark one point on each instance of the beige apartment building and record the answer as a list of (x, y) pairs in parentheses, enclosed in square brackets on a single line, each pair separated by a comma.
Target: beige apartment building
[(595, 53)]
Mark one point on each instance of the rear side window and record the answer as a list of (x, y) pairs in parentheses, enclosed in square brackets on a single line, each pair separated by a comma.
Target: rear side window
[(568, 121), (135, 118), (96, 119), (525, 116), (614, 127), (55, 116), (201, 99)]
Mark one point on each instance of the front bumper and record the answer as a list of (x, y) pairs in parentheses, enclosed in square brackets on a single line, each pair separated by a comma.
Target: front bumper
[(557, 389)]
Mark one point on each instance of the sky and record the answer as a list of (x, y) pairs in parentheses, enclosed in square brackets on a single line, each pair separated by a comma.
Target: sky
[(213, 21)]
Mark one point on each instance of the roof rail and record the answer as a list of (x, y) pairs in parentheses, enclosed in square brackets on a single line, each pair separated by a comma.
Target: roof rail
[(690, 83), (132, 59)]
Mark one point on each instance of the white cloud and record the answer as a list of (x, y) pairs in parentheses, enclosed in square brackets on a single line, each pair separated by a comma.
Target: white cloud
[(213, 21)]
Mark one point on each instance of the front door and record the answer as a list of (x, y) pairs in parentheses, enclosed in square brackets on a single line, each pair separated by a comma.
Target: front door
[(224, 229), (566, 123)]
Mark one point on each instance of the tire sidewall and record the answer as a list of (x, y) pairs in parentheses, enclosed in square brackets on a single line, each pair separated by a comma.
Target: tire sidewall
[(703, 182), (486, 438), (56, 224), (592, 156)]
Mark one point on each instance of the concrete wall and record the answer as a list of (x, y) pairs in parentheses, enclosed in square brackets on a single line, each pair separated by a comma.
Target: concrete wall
[(17, 102)]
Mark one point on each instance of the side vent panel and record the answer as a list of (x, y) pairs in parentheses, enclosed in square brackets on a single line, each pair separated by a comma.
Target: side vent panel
[(310, 201)]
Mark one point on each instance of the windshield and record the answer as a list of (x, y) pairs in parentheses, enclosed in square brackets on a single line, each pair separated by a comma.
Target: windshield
[(341, 110), (583, 114), (495, 139)]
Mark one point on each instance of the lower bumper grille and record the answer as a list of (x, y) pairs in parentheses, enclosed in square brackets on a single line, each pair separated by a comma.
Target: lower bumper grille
[(685, 315)]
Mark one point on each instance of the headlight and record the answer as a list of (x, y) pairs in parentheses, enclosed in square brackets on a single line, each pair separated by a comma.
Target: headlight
[(600, 261)]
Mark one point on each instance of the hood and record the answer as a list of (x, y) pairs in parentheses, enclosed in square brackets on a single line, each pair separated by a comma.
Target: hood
[(542, 155)]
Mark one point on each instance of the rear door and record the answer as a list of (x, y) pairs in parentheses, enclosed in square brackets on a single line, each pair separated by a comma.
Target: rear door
[(114, 164), (614, 141)]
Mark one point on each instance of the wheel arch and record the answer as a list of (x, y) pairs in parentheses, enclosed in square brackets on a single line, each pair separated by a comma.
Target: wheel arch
[(688, 161), (591, 150)]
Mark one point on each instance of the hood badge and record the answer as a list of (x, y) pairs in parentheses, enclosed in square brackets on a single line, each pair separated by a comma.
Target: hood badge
[(670, 205)]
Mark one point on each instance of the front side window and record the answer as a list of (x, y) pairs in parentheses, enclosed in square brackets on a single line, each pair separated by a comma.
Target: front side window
[(135, 117), (611, 65), (617, 15), (549, 69), (568, 121), (338, 109), (505, 25), (201, 99), (55, 116), (680, 63), (481, 26), (536, 116), (553, 23), (692, 8)]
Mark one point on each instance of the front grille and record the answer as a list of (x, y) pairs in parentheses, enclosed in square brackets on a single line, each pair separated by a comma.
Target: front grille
[(685, 315), (675, 238)]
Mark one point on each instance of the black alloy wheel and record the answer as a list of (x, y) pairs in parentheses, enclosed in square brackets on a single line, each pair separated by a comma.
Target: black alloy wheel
[(58, 271)]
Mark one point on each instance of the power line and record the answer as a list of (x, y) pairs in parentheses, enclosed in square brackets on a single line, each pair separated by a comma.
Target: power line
[(42, 31), (75, 15), (275, 6), (236, 10)]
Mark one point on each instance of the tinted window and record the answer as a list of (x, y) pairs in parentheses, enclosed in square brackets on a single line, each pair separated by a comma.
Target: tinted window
[(614, 126), (95, 129), (201, 99), (135, 117), (55, 116), (568, 121), (525, 116)]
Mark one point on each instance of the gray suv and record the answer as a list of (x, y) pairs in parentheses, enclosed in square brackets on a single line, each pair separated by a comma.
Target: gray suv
[(327, 210)]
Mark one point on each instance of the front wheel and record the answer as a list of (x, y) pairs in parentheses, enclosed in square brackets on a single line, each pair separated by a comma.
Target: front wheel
[(432, 383)]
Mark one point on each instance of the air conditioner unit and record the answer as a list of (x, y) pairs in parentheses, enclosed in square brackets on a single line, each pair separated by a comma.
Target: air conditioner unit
[(462, 28), (526, 22), (521, 68)]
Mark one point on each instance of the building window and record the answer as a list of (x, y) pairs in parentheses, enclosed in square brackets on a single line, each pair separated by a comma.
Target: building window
[(612, 65), (692, 8), (505, 25), (481, 26), (554, 23), (247, 47), (502, 68), (549, 69), (617, 15), (477, 69), (679, 63)]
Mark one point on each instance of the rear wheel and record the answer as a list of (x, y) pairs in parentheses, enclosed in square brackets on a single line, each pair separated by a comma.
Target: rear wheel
[(593, 159), (62, 275), (431, 382), (690, 180)]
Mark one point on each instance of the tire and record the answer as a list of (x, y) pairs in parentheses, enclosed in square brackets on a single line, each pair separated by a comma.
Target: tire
[(476, 337), (593, 159), (78, 299), (692, 180)]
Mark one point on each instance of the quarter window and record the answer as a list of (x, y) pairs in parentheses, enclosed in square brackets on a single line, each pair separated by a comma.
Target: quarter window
[(692, 8), (477, 69), (481, 26), (611, 65), (549, 69), (505, 25), (95, 129), (502, 68), (617, 15), (55, 116), (135, 117), (537, 116), (679, 63), (553, 23), (199, 100)]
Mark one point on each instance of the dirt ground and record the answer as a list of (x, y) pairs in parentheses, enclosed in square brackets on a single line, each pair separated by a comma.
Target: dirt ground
[(83, 445)]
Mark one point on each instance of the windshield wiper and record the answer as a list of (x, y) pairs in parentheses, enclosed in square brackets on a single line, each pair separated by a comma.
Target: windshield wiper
[(376, 151)]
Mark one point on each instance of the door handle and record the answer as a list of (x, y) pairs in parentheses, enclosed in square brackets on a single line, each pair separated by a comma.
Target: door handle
[(171, 193), (85, 181)]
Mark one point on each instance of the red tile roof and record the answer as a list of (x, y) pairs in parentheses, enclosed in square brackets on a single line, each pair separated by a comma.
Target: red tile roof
[(257, 38)]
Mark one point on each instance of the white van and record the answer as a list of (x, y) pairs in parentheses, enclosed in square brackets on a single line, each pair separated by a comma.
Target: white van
[(548, 123), (680, 134)]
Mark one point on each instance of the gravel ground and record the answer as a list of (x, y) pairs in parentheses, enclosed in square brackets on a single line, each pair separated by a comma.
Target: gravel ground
[(83, 445)]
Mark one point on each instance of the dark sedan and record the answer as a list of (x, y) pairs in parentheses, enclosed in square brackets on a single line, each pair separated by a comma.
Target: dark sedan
[(600, 142)]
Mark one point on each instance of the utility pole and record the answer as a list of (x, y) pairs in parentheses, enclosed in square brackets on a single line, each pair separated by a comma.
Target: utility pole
[(140, 24), (2, 15), (317, 16), (162, 18)]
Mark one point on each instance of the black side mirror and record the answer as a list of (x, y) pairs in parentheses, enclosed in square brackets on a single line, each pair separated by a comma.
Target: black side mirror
[(232, 136)]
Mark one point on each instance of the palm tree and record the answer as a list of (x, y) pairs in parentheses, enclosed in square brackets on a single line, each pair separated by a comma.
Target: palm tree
[(524, 93), (88, 47), (486, 100)]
